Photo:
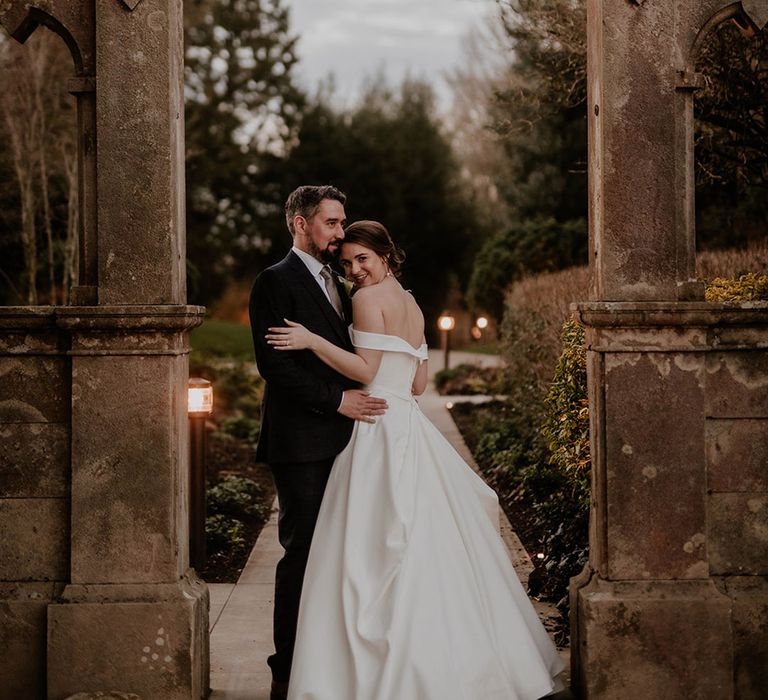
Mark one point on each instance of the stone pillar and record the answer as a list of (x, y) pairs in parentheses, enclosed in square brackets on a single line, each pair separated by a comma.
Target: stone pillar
[(106, 599), (140, 151), (676, 589), (133, 617)]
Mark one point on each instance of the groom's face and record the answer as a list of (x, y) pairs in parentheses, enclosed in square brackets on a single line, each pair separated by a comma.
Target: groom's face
[(324, 232)]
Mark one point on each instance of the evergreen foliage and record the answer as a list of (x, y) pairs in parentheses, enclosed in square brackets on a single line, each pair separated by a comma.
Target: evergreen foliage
[(530, 246), (541, 111), (242, 110), (566, 428), (235, 497)]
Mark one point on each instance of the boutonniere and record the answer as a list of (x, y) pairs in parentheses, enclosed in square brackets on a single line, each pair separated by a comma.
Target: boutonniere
[(349, 286)]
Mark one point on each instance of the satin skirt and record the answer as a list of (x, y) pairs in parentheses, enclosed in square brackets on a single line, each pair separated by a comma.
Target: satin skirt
[(409, 592)]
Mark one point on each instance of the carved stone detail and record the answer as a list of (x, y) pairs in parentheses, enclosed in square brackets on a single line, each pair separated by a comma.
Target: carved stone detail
[(757, 11)]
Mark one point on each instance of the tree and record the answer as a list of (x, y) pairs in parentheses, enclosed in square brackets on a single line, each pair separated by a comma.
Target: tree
[(484, 165), (540, 114), (535, 109), (241, 113), (37, 155), (732, 137)]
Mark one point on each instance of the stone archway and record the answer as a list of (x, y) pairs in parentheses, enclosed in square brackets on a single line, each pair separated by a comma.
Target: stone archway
[(96, 593), (675, 595)]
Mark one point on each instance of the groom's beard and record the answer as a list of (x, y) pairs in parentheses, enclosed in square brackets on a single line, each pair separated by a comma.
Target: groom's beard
[(326, 255)]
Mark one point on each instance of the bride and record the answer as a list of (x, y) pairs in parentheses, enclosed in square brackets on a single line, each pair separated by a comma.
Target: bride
[(409, 593)]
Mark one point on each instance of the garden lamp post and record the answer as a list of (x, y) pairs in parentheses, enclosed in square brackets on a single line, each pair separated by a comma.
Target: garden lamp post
[(481, 323), (199, 407), (446, 324)]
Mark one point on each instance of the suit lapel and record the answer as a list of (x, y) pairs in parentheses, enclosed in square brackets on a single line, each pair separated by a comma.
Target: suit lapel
[(311, 285)]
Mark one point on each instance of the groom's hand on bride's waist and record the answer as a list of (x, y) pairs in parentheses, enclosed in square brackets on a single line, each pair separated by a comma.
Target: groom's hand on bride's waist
[(360, 405)]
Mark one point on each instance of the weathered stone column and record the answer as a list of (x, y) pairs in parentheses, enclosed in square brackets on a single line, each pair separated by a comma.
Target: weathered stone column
[(676, 591), (133, 618), (96, 591)]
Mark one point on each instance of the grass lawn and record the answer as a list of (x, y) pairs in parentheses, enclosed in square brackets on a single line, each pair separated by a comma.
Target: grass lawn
[(479, 348), (222, 339)]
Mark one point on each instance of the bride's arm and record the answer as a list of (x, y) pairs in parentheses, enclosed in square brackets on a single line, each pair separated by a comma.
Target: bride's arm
[(360, 365)]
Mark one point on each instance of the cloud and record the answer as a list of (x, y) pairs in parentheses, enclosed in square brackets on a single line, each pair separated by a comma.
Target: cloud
[(353, 39)]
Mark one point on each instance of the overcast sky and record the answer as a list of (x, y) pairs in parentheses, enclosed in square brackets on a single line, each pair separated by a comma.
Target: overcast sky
[(357, 38)]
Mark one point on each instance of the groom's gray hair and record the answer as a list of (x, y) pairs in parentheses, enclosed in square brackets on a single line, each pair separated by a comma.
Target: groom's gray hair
[(305, 201)]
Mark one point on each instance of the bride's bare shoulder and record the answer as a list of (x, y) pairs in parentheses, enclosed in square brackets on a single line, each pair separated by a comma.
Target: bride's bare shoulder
[(366, 295)]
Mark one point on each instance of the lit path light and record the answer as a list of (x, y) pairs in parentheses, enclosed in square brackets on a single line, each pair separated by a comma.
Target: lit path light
[(480, 325), (199, 407), (446, 323)]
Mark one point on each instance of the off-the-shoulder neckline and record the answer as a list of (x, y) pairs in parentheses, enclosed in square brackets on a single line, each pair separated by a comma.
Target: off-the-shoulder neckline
[(389, 335)]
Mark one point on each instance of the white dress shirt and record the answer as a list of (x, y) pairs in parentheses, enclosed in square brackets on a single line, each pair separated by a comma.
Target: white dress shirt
[(314, 266)]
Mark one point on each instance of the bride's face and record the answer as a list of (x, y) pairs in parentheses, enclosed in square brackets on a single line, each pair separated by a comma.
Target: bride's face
[(362, 265)]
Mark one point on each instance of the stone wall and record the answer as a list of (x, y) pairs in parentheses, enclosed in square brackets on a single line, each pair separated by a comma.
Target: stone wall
[(675, 595), (34, 492), (93, 505), (674, 602)]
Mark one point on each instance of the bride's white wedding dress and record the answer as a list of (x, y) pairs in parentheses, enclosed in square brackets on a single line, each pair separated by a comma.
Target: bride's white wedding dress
[(409, 592)]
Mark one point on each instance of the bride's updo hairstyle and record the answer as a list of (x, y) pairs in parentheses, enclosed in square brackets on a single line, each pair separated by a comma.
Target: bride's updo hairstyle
[(373, 235)]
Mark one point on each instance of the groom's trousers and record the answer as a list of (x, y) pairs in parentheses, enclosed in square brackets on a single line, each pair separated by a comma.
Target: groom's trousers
[(300, 488)]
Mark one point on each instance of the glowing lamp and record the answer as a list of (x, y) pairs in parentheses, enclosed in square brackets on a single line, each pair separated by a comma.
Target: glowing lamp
[(482, 322), (446, 322), (200, 397), (199, 407)]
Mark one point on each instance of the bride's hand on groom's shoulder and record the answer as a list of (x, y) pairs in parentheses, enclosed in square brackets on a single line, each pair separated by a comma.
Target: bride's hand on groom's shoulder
[(360, 405)]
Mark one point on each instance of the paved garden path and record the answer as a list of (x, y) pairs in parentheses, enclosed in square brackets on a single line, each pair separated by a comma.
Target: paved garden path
[(241, 614)]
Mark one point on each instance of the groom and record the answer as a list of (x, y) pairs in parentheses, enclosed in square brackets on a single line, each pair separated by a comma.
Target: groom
[(308, 408)]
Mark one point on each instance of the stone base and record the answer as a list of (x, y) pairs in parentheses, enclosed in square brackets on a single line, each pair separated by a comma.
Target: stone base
[(150, 640), (22, 638), (749, 597), (661, 639)]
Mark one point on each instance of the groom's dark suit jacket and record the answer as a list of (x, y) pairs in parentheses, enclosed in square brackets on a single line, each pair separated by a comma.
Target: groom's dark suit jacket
[(300, 422)]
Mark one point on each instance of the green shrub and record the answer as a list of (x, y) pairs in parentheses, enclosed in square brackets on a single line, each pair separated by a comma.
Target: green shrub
[(749, 287), (522, 342), (236, 497), (566, 428), (241, 427), (236, 380), (466, 379), (224, 536), (528, 246)]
